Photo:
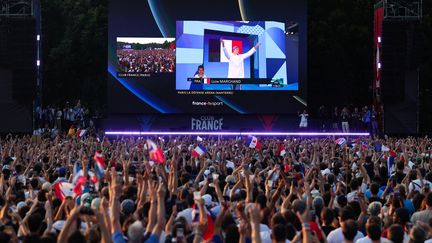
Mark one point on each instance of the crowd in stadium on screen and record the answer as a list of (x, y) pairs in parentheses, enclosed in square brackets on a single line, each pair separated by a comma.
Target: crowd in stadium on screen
[(213, 189), (147, 61)]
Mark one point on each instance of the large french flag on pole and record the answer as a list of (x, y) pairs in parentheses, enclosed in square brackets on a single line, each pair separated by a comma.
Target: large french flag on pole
[(253, 142), (99, 164), (198, 151)]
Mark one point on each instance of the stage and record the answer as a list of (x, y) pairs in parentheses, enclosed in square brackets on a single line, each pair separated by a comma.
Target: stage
[(225, 125), (267, 134)]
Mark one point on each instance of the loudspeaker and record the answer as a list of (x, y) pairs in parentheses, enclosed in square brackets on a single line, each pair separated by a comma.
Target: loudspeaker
[(18, 53), (401, 48), (17, 73)]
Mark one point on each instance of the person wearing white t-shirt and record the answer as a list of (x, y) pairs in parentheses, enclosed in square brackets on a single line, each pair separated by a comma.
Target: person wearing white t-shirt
[(200, 72), (303, 120), (337, 235), (416, 185), (374, 231), (236, 62)]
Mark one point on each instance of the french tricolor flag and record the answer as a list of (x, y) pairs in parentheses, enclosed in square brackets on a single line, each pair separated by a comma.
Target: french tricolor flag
[(63, 190), (341, 141), (78, 179), (156, 154), (81, 132), (93, 177), (280, 149), (208, 232), (206, 80), (229, 46), (77, 172), (99, 164), (253, 142), (198, 151), (80, 186), (390, 161), (392, 153)]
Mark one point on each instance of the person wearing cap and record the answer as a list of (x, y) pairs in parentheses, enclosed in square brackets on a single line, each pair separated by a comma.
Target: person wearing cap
[(127, 206), (61, 175)]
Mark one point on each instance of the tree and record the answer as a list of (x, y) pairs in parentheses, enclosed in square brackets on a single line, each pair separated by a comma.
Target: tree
[(74, 51)]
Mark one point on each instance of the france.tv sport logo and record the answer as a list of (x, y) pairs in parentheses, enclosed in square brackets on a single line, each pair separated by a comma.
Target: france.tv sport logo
[(207, 103)]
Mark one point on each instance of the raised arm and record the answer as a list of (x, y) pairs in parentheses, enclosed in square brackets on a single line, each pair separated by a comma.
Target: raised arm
[(48, 216), (226, 52), (69, 225), (248, 186), (255, 217), (363, 171), (161, 192), (115, 193), (201, 172), (218, 222), (251, 51), (218, 190), (153, 206), (202, 225)]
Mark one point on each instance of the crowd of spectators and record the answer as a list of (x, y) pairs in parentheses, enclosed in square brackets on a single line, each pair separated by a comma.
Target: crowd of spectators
[(344, 120), (147, 61), (51, 121), (348, 119), (187, 189)]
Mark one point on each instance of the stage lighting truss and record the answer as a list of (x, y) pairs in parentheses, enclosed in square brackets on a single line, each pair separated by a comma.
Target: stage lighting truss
[(402, 9), (16, 8)]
